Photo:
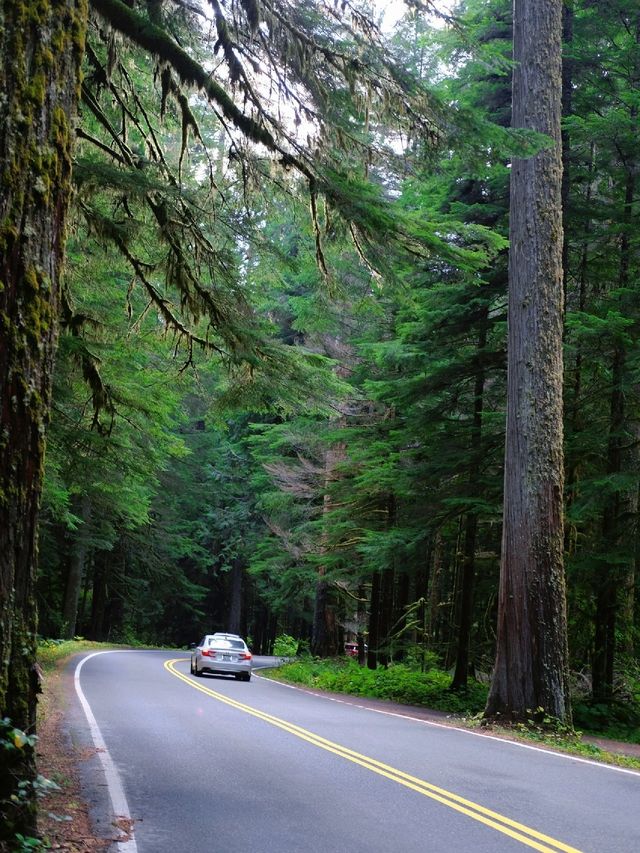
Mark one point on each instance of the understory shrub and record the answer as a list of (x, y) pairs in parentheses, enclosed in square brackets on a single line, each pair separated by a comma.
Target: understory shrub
[(397, 682)]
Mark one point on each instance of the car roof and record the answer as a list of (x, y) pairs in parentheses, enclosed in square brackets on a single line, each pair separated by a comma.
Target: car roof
[(226, 635)]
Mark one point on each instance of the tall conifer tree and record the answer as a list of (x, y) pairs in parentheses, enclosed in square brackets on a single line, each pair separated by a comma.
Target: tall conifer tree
[(531, 669)]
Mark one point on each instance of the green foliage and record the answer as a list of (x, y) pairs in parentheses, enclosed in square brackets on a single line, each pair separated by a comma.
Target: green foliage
[(285, 646), (615, 720), (52, 651), (620, 717), (22, 793), (397, 683)]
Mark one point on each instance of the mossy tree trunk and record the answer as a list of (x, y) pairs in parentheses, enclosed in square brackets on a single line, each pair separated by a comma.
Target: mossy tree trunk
[(41, 47), (531, 670)]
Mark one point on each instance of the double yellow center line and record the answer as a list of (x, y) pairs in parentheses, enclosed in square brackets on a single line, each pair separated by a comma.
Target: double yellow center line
[(518, 831)]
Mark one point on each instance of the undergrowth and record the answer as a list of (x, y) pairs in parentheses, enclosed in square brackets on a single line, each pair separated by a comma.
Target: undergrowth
[(397, 682)]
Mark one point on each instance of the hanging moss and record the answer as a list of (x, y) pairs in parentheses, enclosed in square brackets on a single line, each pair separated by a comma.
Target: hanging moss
[(160, 44)]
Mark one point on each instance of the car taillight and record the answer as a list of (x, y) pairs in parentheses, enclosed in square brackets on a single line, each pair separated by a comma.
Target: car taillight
[(245, 656), (207, 653)]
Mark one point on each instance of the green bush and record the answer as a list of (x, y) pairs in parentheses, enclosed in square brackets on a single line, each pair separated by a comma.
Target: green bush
[(617, 720), (285, 646), (398, 683)]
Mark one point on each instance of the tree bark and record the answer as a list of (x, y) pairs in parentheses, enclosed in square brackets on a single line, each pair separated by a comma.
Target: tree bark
[(531, 668), (323, 636), (471, 525), (99, 596), (77, 559), (235, 597), (41, 46), (374, 617)]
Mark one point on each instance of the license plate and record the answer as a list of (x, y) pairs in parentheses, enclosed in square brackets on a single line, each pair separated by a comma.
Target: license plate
[(226, 657)]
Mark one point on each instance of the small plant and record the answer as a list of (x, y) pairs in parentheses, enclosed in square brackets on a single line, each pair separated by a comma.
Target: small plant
[(15, 747), (27, 843)]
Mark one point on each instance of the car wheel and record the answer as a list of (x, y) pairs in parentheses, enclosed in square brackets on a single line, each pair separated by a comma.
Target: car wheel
[(192, 669), (239, 676), (196, 671), (246, 676)]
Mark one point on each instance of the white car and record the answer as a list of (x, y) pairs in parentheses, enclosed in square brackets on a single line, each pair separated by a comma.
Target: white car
[(225, 654)]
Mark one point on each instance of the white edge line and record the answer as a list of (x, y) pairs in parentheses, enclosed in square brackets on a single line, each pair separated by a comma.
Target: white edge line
[(116, 791), (549, 751)]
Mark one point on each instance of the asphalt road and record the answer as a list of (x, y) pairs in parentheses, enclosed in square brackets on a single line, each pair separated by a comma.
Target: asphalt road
[(214, 765)]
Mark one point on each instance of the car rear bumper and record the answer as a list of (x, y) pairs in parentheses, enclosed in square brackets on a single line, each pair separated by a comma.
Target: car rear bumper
[(225, 667)]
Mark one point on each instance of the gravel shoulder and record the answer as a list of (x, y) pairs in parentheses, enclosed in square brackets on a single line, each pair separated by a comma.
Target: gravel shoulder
[(65, 818)]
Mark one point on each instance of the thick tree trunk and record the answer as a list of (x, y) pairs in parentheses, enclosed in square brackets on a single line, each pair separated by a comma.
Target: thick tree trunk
[(41, 47), (531, 669)]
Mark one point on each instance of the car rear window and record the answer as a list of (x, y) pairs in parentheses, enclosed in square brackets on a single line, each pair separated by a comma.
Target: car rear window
[(219, 643)]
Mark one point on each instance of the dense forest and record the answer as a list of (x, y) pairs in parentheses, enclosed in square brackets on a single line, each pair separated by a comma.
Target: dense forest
[(293, 341)]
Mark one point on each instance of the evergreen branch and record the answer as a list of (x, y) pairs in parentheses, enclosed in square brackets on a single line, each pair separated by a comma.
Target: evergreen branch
[(94, 106), (156, 40), (82, 134)]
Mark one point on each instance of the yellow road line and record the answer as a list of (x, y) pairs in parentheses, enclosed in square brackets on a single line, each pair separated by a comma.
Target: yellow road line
[(526, 835)]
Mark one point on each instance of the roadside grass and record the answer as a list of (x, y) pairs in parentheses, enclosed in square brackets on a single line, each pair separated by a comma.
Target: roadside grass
[(431, 690), (52, 652)]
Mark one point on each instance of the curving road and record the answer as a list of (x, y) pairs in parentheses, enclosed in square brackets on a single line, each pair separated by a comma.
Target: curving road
[(214, 765)]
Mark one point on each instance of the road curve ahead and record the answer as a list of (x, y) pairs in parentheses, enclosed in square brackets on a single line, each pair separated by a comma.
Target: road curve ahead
[(214, 765)]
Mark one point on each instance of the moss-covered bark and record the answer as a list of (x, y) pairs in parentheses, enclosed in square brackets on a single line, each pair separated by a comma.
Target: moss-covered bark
[(531, 675), (41, 45)]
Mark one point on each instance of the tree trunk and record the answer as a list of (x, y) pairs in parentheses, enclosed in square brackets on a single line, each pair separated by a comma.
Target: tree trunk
[(434, 589), (41, 48), (323, 636), (320, 640), (235, 597), (471, 525), (400, 614), (531, 668), (385, 617), (99, 596), (77, 559), (374, 618)]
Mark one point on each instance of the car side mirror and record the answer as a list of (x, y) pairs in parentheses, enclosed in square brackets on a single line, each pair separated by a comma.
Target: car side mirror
[(192, 645)]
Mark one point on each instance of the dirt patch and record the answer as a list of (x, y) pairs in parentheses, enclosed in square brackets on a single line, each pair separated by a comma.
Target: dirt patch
[(64, 820)]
